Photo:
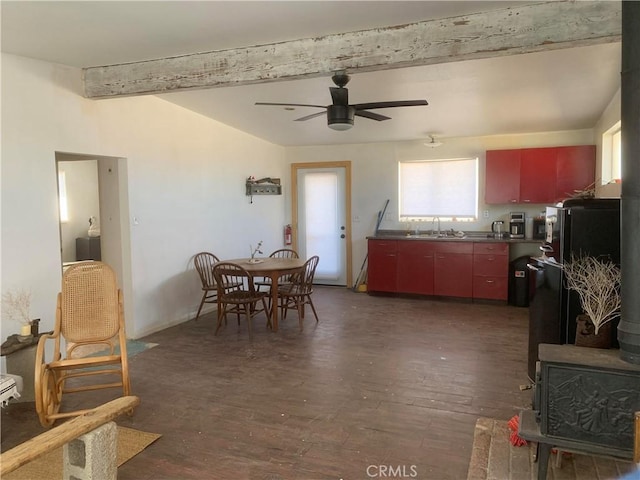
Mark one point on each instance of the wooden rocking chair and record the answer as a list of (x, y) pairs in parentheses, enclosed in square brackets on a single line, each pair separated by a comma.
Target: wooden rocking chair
[(89, 314)]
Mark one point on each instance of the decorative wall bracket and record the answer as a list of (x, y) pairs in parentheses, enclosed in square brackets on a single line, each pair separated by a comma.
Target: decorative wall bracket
[(263, 186)]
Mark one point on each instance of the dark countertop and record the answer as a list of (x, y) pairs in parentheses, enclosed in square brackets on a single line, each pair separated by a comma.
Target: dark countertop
[(468, 237)]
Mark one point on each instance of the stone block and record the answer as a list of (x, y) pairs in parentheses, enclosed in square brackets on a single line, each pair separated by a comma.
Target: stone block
[(92, 456)]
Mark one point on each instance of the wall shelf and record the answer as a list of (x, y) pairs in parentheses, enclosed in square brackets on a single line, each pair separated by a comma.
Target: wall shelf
[(263, 186)]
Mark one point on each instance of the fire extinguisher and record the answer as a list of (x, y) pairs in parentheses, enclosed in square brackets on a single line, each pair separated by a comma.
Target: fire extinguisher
[(287, 234)]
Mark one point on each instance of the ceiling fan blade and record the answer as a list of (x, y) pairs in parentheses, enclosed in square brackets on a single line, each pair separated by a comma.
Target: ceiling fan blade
[(399, 103), (371, 115), (309, 117), (339, 96), (290, 104)]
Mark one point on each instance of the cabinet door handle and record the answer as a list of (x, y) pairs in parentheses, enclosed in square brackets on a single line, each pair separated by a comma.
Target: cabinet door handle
[(439, 257), (491, 281)]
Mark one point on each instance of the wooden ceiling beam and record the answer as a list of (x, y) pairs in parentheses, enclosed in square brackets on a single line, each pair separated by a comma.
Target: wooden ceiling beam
[(509, 31)]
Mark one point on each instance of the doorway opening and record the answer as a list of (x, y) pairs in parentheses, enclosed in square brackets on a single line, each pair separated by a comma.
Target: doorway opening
[(95, 187)]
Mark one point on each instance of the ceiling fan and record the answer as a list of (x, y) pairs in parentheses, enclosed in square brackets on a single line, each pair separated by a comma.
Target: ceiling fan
[(340, 114)]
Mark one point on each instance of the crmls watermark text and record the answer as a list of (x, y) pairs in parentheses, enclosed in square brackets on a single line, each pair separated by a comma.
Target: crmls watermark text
[(392, 471)]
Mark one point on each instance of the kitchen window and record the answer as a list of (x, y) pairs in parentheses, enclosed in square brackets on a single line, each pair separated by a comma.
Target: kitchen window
[(612, 155), (445, 188)]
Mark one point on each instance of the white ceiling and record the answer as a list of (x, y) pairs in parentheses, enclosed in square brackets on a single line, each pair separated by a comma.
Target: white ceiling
[(549, 91)]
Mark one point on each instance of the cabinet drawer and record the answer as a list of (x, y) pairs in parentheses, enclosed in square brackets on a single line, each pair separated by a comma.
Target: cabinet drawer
[(415, 246), (492, 288), (491, 248), (491, 265), (452, 247), (383, 246)]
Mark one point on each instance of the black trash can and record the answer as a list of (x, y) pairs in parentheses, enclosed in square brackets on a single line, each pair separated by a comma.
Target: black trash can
[(519, 282)]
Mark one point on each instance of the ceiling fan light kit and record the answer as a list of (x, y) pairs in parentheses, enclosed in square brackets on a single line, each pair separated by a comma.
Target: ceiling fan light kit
[(340, 114), (433, 143), (340, 117)]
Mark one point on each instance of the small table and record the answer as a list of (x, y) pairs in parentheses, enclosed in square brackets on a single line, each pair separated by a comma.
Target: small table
[(273, 268)]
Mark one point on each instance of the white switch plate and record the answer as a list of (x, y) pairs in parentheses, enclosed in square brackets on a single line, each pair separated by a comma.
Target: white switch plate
[(485, 214)]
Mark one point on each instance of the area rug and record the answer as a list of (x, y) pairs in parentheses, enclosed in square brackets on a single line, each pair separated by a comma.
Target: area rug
[(130, 443), (493, 457), (134, 347)]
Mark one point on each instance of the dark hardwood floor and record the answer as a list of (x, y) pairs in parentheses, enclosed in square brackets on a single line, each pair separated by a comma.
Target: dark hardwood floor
[(380, 381)]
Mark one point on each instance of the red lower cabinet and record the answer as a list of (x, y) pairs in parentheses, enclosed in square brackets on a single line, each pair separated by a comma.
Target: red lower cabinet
[(453, 269), (491, 271), (444, 268), (415, 267), (382, 266)]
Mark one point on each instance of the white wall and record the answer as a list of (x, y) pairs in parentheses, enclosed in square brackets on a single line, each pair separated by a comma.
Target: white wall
[(375, 175), (185, 175)]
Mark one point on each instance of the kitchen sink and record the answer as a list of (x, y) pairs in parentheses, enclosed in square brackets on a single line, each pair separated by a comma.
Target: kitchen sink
[(442, 235)]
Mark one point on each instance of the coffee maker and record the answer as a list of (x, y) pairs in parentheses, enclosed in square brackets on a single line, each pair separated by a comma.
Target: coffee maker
[(516, 224)]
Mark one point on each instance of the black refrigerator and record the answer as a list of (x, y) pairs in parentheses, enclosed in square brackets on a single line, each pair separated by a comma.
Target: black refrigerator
[(585, 226), (579, 227)]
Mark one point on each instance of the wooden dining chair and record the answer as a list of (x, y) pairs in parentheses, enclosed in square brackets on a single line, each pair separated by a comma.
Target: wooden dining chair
[(285, 279), (243, 299), (204, 262), (298, 293)]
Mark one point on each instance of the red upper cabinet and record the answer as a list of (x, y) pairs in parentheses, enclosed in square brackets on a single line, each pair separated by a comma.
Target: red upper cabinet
[(538, 175), (575, 169), (502, 180)]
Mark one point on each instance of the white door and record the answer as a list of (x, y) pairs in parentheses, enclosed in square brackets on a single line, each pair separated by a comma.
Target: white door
[(322, 216)]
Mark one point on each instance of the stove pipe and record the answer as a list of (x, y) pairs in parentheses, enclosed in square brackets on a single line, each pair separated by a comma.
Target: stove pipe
[(629, 327)]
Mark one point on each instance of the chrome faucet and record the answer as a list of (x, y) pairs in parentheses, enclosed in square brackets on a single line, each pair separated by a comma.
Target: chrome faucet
[(433, 223)]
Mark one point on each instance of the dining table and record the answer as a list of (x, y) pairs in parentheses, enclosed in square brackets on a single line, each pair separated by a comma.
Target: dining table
[(272, 268)]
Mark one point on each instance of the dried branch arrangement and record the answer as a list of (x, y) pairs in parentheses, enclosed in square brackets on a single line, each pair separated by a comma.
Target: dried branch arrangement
[(597, 283), (587, 192), (16, 304)]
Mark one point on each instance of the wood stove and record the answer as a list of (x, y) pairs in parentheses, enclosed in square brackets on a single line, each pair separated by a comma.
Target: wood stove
[(585, 400)]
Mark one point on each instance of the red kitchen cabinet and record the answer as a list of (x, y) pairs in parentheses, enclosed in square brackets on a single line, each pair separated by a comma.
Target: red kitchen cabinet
[(491, 271), (502, 178), (538, 175), (453, 269), (415, 267), (575, 170), (382, 266)]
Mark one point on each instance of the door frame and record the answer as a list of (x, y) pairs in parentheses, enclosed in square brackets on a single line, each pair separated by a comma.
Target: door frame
[(113, 197), (347, 204)]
